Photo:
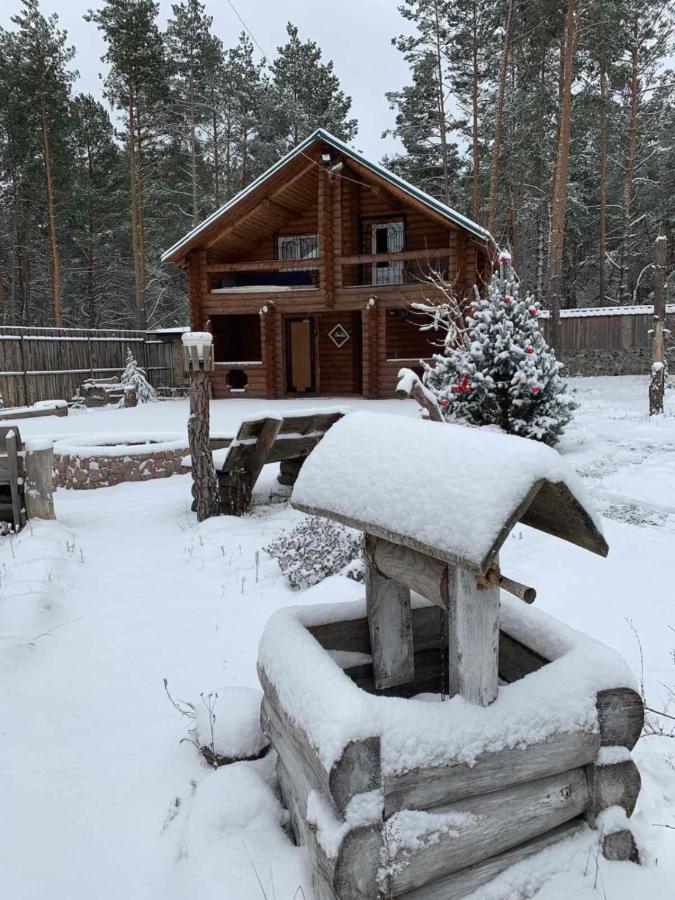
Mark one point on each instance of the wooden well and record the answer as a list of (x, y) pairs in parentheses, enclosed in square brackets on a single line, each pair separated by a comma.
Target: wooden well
[(435, 621)]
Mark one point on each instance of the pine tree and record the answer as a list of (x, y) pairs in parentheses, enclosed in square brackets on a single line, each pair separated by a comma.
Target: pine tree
[(41, 70), (499, 370), (304, 94), (430, 160), (137, 84), (194, 57), (134, 377)]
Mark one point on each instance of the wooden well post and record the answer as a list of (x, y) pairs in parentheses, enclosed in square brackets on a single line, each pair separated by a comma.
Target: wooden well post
[(39, 466), (198, 359)]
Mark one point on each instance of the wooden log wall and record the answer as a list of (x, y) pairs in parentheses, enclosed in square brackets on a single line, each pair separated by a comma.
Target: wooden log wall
[(513, 801), (51, 363)]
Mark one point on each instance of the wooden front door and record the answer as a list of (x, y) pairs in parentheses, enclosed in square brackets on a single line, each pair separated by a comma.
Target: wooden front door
[(300, 377)]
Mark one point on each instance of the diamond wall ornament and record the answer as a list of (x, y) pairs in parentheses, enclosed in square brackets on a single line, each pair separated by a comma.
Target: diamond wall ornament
[(339, 335)]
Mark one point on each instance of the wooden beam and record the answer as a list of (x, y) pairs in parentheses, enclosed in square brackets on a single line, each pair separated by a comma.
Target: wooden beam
[(390, 624), (617, 784), (465, 883), (357, 771), (360, 258), (417, 571), (265, 265), (491, 771), (621, 717), (473, 637), (295, 178), (39, 492), (494, 822), (325, 229)]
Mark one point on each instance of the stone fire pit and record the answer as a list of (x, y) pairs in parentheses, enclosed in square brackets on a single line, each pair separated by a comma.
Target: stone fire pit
[(95, 460)]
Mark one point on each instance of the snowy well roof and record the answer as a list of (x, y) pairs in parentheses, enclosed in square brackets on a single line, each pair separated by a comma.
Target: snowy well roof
[(178, 250), (450, 491)]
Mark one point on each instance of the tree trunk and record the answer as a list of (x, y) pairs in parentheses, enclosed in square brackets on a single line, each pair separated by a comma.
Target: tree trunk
[(560, 177), (216, 155), (204, 481), (602, 198), (659, 372), (135, 231), (51, 221), (475, 196), (441, 110), (496, 149), (140, 194), (629, 166), (193, 155)]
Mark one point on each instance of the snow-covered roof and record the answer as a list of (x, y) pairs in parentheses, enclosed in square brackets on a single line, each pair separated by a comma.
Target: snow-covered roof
[(451, 491), (321, 135), (587, 311), (174, 329)]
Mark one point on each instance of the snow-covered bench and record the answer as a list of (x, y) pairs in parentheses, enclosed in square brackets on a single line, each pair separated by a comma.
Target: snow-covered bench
[(398, 796), (37, 410), (268, 438)]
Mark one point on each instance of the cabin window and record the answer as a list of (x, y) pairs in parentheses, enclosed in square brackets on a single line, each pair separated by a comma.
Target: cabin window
[(387, 237), (405, 341), (298, 246), (236, 339)]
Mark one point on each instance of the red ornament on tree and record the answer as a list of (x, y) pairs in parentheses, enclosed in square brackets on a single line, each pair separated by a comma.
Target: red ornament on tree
[(529, 349), (533, 310), (443, 402), (463, 387), (535, 390), (507, 299)]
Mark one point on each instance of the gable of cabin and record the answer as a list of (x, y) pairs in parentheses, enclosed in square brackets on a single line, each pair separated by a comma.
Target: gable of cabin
[(306, 280)]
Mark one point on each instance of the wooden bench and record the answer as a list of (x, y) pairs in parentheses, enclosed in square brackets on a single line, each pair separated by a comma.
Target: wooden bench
[(268, 439), (12, 505)]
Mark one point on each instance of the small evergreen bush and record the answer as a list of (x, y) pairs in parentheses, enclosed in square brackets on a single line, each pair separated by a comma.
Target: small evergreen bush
[(134, 376), (313, 550)]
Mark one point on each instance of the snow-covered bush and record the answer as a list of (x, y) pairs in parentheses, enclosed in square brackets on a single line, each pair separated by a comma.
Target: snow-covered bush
[(496, 368), (134, 377), (313, 550), (224, 724)]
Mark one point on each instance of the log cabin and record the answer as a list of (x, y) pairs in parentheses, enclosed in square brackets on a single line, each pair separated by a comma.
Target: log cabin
[(306, 277)]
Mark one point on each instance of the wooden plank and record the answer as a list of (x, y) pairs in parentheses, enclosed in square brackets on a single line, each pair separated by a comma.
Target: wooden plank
[(261, 449), (6, 414), (494, 823), (473, 637), (39, 476), (16, 492), (620, 717), (365, 258), (357, 771), (468, 880), (440, 785), (264, 265), (391, 635)]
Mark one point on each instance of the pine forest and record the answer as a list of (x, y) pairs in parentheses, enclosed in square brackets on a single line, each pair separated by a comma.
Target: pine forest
[(550, 122)]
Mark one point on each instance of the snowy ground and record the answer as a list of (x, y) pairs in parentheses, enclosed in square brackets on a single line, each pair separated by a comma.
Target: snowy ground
[(100, 798)]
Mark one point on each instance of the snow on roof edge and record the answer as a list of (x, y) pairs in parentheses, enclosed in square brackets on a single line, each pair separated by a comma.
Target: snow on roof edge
[(320, 133)]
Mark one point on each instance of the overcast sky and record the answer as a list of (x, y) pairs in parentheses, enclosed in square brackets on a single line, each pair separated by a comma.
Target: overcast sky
[(355, 34)]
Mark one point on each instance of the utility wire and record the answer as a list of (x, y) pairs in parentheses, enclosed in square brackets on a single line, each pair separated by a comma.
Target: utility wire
[(247, 29)]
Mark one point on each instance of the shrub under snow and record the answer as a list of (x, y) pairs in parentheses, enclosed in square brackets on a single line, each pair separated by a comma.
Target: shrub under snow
[(313, 550)]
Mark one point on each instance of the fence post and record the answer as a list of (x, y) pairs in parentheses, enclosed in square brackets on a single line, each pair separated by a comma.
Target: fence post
[(659, 370), (26, 401)]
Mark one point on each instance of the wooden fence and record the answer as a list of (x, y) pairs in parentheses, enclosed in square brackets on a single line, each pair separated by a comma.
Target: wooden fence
[(51, 363), (607, 328)]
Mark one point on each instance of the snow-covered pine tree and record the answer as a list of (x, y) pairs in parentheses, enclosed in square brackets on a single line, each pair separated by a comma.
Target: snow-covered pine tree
[(134, 376), (498, 370)]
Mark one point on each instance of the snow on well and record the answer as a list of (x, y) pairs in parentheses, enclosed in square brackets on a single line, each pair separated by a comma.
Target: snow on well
[(450, 487), (228, 721), (333, 710)]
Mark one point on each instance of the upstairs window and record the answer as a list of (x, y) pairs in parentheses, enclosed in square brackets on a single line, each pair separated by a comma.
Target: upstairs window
[(298, 246), (387, 237)]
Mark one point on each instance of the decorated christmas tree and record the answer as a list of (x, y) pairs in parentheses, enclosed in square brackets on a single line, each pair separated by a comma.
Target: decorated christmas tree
[(497, 369), (134, 377)]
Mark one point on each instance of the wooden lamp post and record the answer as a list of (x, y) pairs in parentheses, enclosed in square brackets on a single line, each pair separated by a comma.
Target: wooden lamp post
[(198, 359)]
